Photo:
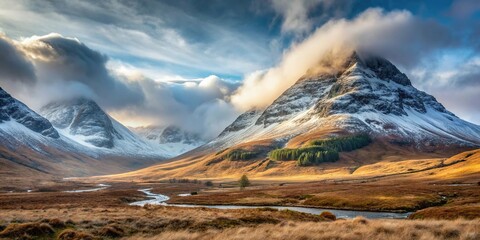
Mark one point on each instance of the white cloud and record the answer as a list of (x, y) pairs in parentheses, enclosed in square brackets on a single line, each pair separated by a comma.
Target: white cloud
[(374, 31), (198, 105), (295, 14)]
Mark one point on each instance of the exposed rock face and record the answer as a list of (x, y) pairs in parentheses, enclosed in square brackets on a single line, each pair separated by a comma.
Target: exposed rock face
[(12, 109), (383, 69), (373, 85), (367, 94), (243, 121), (85, 118)]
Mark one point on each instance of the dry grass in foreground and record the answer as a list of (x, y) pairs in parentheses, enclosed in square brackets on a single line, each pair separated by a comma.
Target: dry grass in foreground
[(358, 228), (158, 222)]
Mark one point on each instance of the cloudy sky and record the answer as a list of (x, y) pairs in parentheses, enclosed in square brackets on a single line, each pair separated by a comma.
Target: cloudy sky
[(198, 64)]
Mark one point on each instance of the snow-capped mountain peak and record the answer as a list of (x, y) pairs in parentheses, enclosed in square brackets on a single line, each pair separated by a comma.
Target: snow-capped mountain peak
[(82, 121), (365, 94), (83, 118)]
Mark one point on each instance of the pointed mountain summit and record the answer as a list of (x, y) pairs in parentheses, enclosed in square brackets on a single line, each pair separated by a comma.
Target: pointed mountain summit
[(362, 94), (80, 140), (83, 118)]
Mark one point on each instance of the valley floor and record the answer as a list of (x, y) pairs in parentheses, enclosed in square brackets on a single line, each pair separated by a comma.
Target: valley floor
[(443, 196), (445, 211)]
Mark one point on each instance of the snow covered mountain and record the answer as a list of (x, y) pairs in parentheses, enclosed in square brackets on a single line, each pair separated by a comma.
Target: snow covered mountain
[(87, 142), (82, 121), (13, 112), (174, 139), (365, 95)]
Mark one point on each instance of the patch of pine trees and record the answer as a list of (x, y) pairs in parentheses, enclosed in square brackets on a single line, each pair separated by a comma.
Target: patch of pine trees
[(343, 144), (240, 154), (319, 151)]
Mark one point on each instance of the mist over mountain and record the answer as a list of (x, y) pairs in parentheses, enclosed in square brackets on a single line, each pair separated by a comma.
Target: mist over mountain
[(362, 94)]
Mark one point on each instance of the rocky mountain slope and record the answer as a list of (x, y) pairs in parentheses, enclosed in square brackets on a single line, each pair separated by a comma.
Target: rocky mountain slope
[(366, 95), (82, 117), (82, 121), (13, 112)]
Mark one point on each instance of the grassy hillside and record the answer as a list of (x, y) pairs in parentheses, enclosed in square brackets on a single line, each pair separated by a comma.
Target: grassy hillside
[(377, 159)]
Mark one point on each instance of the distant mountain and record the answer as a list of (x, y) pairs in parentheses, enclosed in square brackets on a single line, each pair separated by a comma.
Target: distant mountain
[(81, 120), (82, 117), (174, 139)]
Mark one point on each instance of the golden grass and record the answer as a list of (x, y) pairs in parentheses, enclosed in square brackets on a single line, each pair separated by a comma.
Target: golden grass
[(70, 234), (380, 158), (118, 222), (468, 168), (26, 230), (346, 229), (158, 222), (50, 164)]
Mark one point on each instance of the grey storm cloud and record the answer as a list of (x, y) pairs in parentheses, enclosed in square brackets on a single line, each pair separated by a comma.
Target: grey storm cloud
[(14, 66), (166, 37), (68, 61), (409, 42), (463, 9)]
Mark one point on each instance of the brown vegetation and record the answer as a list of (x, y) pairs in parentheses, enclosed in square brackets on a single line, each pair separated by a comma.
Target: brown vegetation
[(48, 212), (27, 230), (70, 234), (159, 222), (346, 229)]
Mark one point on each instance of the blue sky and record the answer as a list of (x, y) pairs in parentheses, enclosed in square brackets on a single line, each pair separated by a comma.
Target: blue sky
[(195, 39), (188, 40)]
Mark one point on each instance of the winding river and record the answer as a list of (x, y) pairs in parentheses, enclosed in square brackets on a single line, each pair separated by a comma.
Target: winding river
[(160, 199), (98, 188)]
